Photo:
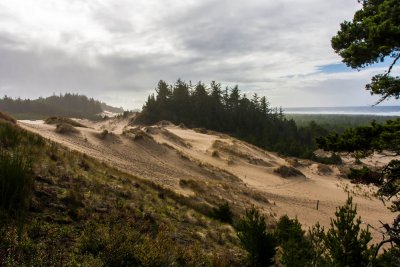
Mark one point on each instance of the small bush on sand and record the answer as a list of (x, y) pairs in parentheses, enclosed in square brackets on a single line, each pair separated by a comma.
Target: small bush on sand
[(103, 134), (65, 128), (365, 175), (136, 134), (286, 171), (230, 161), (61, 120), (215, 154)]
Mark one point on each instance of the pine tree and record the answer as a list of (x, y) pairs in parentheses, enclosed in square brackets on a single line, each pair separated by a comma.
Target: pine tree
[(253, 236), (345, 240)]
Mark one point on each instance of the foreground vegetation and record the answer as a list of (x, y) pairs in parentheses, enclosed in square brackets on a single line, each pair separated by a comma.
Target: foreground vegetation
[(62, 208)]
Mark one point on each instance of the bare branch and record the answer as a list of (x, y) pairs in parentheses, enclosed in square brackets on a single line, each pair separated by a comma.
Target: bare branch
[(378, 247), (392, 65)]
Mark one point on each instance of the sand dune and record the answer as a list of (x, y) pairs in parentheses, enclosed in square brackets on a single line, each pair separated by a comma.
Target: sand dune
[(169, 154)]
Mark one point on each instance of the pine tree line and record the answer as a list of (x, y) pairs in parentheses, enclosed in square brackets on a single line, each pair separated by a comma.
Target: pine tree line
[(227, 110), (68, 105)]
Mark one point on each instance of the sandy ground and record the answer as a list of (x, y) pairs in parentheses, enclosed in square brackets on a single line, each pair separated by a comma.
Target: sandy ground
[(167, 154)]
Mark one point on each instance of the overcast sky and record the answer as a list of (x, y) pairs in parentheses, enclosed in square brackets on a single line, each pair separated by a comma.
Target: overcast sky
[(117, 51)]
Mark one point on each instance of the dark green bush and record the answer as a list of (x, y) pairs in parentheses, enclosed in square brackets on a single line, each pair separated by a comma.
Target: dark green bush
[(365, 175), (223, 213)]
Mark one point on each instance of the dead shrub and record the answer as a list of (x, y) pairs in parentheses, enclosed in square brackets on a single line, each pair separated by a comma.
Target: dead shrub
[(200, 130), (65, 128), (286, 171), (62, 120), (324, 169), (215, 154)]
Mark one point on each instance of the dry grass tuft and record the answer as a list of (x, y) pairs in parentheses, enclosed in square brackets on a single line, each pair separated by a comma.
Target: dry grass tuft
[(7, 118), (233, 151), (174, 138), (201, 130)]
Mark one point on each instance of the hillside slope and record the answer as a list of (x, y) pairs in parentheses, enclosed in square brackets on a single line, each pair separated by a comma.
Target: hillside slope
[(212, 167), (81, 212)]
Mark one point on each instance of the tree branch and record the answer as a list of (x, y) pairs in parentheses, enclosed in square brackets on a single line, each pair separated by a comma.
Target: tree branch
[(392, 65), (378, 247)]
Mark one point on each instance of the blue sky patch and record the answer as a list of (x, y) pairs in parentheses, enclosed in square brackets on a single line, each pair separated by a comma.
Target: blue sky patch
[(341, 67), (334, 68)]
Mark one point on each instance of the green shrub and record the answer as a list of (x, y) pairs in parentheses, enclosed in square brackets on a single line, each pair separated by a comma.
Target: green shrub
[(254, 238), (223, 213), (16, 181), (365, 175)]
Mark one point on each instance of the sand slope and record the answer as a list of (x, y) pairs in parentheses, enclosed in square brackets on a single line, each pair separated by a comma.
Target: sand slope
[(168, 154)]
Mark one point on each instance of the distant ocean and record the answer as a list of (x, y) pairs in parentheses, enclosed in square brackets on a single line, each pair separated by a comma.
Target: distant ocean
[(365, 110)]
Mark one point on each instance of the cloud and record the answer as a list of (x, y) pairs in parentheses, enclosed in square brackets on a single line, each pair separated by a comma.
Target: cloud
[(118, 50)]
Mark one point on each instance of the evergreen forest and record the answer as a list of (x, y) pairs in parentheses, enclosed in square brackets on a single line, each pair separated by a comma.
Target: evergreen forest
[(67, 105), (229, 111)]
